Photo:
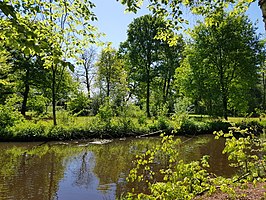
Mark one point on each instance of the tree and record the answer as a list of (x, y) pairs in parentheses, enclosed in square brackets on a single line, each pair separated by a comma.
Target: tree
[(142, 48), (111, 75), (172, 11), (223, 60), (87, 70), (169, 60), (55, 30)]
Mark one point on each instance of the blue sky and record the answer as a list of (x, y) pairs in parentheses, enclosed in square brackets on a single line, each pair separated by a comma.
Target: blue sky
[(113, 21)]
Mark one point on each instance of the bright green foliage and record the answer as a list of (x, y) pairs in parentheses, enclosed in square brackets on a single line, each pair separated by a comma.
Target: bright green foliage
[(220, 65), (56, 31), (172, 11), (5, 68), (179, 180), (38, 104), (55, 23), (112, 76), (246, 154), (79, 105), (8, 118), (143, 51)]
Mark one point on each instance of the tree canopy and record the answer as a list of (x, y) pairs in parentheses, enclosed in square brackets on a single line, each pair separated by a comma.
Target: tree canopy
[(223, 61)]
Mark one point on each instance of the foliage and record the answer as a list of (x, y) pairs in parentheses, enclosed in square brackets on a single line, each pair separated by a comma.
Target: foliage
[(38, 104), (246, 154), (55, 31), (222, 61), (106, 112), (79, 105), (142, 50), (173, 12), (5, 69), (28, 131), (112, 75), (194, 127), (8, 118), (179, 180)]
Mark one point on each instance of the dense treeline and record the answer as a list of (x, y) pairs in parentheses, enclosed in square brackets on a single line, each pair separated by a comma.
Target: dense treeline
[(216, 69)]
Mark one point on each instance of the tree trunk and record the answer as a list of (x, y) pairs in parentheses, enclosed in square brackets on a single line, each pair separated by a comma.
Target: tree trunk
[(87, 83), (108, 88), (25, 99), (164, 90), (168, 85), (54, 96), (148, 95), (25, 94), (225, 111)]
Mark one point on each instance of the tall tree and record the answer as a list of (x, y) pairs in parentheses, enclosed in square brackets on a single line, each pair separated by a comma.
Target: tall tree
[(111, 74), (142, 48), (169, 59), (223, 59), (87, 69)]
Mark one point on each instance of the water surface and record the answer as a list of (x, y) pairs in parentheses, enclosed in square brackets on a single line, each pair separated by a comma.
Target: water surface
[(82, 171)]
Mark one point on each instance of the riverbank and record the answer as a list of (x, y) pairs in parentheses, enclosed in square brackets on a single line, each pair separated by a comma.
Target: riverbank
[(72, 128), (250, 192)]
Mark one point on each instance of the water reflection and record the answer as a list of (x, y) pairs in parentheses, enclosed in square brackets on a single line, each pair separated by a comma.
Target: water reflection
[(80, 170)]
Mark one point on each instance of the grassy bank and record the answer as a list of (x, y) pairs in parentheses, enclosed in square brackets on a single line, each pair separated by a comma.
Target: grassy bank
[(70, 127)]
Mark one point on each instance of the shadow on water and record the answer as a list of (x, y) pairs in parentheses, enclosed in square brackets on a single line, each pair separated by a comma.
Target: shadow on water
[(81, 170)]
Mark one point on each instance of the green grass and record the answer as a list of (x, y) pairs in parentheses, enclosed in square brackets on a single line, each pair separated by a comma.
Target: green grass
[(72, 127)]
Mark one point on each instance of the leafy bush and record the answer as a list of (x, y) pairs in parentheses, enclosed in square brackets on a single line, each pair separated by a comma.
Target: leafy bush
[(165, 175), (179, 180), (163, 123), (27, 130), (105, 111), (79, 105), (64, 117), (38, 104), (59, 132), (246, 153), (192, 127), (8, 118)]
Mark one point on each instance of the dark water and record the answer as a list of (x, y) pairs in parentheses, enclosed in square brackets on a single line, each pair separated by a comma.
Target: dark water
[(81, 170)]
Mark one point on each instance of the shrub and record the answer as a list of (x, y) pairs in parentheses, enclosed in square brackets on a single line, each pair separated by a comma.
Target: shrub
[(59, 132), (246, 153), (64, 117), (105, 111), (28, 130), (8, 118), (192, 127), (38, 104), (179, 180), (79, 105)]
